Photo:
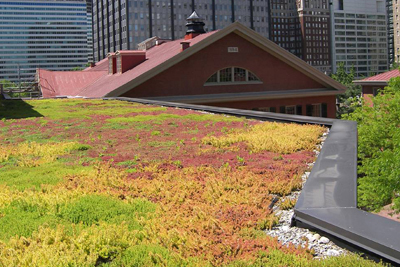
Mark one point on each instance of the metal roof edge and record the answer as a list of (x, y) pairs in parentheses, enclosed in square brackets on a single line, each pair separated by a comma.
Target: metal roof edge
[(316, 219), (247, 96)]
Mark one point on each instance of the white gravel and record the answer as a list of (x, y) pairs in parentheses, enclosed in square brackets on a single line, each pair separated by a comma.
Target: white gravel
[(321, 246)]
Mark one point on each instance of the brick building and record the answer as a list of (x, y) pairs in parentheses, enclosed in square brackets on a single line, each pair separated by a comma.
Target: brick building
[(233, 67)]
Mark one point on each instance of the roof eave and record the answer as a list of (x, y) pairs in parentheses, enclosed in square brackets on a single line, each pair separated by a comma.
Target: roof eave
[(371, 82), (230, 97)]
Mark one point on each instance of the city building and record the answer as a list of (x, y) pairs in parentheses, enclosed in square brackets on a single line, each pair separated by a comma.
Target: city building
[(285, 27), (123, 24), (396, 30), (303, 28), (390, 30), (233, 67), (89, 9), (372, 85), (42, 34), (314, 18), (360, 37)]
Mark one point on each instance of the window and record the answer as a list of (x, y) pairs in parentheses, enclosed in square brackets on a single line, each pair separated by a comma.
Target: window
[(317, 110), (266, 109), (340, 5), (294, 110), (232, 75), (375, 90), (225, 75), (290, 110)]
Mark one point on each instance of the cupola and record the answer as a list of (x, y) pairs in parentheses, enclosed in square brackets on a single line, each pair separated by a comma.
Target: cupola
[(195, 26)]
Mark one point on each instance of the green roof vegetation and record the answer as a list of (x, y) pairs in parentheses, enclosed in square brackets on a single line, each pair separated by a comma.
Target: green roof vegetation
[(110, 183)]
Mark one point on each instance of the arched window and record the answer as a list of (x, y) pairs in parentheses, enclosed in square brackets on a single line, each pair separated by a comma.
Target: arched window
[(232, 75)]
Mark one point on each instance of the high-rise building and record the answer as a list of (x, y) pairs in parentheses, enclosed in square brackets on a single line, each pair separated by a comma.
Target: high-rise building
[(89, 9), (396, 30), (123, 24), (314, 18), (302, 27), (50, 34), (285, 28), (359, 30), (390, 30)]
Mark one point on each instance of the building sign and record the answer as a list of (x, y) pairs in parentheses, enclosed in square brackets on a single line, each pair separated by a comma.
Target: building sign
[(233, 49)]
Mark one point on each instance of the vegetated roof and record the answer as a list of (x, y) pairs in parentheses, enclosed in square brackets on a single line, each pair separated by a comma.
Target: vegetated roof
[(383, 77), (212, 177), (162, 57)]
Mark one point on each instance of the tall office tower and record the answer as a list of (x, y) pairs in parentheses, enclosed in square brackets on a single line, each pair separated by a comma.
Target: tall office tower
[(359, 31), (285, 28), (315, 24), (123, 24), (302, 27), (89, 9), (390, 31), (396, 30), (50, 34)]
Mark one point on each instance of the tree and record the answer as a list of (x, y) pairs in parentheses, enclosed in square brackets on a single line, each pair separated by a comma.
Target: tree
[(379, 148), (352, 97), (7, 84), (77, 69)]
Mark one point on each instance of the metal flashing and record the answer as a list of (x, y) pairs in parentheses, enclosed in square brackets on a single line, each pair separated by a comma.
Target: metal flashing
[(328, 201)]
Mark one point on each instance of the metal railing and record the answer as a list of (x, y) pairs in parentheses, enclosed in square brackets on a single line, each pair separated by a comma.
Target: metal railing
[(20, 92)]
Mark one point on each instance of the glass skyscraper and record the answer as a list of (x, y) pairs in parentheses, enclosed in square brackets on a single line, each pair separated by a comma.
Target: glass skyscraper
[(50, 34)]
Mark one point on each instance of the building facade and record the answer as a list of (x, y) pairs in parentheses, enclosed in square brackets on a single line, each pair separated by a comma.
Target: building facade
[(314, 18), (390, 30), (42, 34), (359, 36), (89, 9), (303, 28), (396, 30), (285, 27), (123, 24)]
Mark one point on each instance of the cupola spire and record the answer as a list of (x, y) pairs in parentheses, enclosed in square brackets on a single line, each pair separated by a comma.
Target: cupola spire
[(195, 26)]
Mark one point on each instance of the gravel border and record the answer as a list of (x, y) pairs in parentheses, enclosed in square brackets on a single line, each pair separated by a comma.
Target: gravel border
[(320, 246)]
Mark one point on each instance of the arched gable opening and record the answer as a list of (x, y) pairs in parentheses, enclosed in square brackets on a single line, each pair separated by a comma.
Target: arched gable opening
[(232, 75)]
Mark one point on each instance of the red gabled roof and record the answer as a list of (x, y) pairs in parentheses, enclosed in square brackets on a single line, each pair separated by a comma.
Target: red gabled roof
[(66, 83), (95, 82), (383, 77)]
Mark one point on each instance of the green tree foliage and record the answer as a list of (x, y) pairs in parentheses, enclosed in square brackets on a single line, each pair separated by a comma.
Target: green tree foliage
[(77, 69), (7, 84), (352, 97), (379, 148)]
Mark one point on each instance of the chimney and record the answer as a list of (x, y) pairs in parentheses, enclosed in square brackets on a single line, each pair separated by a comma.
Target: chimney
[(184, 46), (195, 26), (127, 60), (112, 63)]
